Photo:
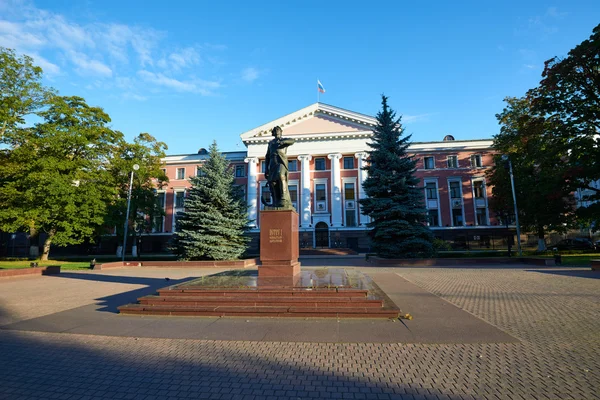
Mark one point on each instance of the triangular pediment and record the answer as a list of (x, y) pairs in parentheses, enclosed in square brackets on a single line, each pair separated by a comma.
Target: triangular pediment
[(316, 119)]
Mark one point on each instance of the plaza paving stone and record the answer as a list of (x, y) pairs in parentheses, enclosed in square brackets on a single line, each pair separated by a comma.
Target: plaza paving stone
[(554, 313)]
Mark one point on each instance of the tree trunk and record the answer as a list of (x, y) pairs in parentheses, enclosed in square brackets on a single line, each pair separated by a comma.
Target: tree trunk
[(541, 239), (47, 244)]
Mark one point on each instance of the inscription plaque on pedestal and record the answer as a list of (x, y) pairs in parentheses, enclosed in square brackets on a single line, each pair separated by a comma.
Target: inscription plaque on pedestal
[(279, 246)]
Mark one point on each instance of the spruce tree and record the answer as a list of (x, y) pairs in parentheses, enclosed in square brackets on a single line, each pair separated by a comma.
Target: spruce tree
[(215, 218), (395, 202)]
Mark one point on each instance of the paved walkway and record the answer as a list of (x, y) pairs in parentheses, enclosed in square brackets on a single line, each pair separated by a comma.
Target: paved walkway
[(553, 313)]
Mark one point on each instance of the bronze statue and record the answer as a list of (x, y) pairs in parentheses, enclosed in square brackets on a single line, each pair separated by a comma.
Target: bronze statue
[(276, 171)]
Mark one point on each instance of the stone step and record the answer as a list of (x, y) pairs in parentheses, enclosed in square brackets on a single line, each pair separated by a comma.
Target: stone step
[(261, 301), (260, 311)]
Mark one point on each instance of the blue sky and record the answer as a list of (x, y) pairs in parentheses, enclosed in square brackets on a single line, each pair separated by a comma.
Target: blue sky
[(189, 72)]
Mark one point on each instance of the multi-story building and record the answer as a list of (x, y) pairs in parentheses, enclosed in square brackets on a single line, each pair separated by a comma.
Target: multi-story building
[(326, 176)]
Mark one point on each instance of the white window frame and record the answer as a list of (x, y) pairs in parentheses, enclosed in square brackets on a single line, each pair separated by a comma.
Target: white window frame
[(425, 162), (177, 173), (296, 182), (320, 181), (462, 201), (353, 181), (262, 185), (485, 199), (293, 161), (437, 192), (175, 208), (448, 161), (324, 163), (164, 194), (242, 168), (477, 156)]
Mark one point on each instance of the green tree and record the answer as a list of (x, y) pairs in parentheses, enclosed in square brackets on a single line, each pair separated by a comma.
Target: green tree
[(570, 93), (55, 174), (395, 202), (145, 211), (21, 92), (540, 168), (215, 217)]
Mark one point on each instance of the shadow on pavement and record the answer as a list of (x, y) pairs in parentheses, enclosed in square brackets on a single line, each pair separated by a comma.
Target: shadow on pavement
[(110, 303), (128, 367), (578, 273)]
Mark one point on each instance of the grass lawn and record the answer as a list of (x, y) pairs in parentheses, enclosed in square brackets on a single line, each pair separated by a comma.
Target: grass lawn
[(579, 259), (65, 265)]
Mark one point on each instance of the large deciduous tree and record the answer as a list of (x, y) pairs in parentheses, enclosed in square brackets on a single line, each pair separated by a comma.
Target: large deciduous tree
[(21, 92), (55, 174), (145, 210), (395, 201), (540, 167), (570, 93), (215, 217)]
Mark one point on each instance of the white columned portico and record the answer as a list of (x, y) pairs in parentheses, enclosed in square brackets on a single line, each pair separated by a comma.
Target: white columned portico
[(252, 189), (362, 175), (336, 190), (306, 220)]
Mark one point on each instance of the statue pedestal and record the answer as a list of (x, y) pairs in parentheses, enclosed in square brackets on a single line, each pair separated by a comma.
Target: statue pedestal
[(279, 246)]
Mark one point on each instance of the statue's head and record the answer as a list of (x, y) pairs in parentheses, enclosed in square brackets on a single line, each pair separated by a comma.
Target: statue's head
[(277, 132)]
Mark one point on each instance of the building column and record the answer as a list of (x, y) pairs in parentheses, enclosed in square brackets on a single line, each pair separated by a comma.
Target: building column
[(306, 220), (336, 190), (252, 190), (362, 175)]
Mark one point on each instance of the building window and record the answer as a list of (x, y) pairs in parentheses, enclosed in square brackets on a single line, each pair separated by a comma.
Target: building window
[(176, 217), (348, 162), (478, 189), (158, 223), (431, 191), (293, 165), (433, 218), (264, 194), (293, 189), (164, 170), (180, 173), (481, 217), (457, 217), (429, 162), (452, 161), (179, 199), (350, 203), (320, 164), (320, 197), (263, 166), (200, 171), (455, 190), (240, 171), (476, 161)]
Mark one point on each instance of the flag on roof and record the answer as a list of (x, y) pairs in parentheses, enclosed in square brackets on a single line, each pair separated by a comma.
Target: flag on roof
[(320, 86)]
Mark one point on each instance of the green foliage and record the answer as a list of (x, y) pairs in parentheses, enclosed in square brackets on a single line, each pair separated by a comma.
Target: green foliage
[(215, 218), (395, 202), (147, 153), (540, 164), (21, 92), (55, 177), (570, 93)]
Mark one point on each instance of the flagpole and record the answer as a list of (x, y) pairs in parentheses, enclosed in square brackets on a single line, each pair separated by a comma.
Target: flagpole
[(318, 91)]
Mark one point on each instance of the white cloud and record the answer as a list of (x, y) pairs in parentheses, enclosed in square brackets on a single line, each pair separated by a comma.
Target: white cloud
[(407, 118), (192, 86), (250, 74), (529, 66), (132, 59), (86, 66)]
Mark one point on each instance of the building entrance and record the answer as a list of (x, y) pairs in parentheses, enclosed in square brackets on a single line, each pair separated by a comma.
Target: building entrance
[(321, 235)]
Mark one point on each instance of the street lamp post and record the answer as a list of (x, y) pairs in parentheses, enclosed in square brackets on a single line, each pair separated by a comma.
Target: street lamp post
[(135, 168), (514, 196)]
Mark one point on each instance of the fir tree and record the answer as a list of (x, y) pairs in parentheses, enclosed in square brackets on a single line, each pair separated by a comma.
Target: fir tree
[(395, 202), (215, 217)]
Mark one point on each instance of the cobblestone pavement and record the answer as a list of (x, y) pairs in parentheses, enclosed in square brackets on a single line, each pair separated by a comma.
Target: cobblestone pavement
[(555, 314)]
